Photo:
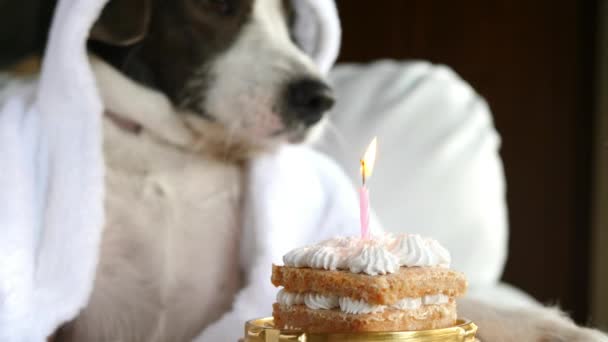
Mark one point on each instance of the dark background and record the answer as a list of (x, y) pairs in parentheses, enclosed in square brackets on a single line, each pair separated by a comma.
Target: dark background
[(534, 63)]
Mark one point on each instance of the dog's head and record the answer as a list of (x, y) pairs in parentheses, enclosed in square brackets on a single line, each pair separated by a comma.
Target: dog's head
[(232, 64)]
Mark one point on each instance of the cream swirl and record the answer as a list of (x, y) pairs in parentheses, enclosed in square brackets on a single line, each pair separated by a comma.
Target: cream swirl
[(317, 301), (413, 250), (353, 306), (348, 305), (435, 299), (314, 301), (374, 260), (381, 255), (290, 298), (408, 304)]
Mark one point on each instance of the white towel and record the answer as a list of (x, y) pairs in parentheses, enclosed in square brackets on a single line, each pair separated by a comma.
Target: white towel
[(51, 177), (51, 173), (317, 30)]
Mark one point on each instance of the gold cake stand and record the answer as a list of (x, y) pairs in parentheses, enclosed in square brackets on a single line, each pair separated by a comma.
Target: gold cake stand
[(262, 330)]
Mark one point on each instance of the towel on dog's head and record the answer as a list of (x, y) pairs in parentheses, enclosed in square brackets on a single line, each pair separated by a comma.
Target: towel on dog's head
[(51, 206), (317, 30)]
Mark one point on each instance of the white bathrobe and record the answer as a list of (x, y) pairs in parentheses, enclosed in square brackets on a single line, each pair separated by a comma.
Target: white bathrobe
[(438, 173)]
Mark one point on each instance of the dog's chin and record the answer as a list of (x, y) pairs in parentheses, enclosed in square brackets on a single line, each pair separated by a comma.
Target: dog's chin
[(297, 136), (217, 139), (271, 141), (293, 135)]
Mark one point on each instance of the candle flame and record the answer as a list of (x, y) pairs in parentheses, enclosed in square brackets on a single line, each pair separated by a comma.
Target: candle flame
[(369, 159)]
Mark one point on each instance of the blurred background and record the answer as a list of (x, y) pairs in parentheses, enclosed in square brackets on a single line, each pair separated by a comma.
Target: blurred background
[(542, 67)]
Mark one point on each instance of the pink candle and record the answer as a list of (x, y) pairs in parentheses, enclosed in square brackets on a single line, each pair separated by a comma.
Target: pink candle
[(367, 165), (364, 211)]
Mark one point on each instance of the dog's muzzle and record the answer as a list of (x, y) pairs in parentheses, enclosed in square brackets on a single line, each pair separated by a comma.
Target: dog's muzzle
[(308, 100)]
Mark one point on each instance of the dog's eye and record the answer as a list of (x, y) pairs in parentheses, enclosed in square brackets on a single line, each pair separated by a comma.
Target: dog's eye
[(222, 7)]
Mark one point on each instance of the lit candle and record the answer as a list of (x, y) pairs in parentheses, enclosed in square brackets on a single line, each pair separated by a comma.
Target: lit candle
[(367, 166)]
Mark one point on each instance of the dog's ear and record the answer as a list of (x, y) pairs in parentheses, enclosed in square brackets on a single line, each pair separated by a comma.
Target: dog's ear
[(122, 22)]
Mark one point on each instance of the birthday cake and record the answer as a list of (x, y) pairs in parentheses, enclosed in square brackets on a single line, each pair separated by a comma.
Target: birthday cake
[(387, 283)]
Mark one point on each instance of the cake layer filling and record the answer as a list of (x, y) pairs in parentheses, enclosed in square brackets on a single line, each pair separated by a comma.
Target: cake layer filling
[(380, 255), (348, 305)]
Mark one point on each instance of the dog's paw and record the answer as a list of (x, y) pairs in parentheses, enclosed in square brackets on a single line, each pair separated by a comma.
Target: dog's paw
[(553, 332), (581, 335), (529, 324), (555, 326)]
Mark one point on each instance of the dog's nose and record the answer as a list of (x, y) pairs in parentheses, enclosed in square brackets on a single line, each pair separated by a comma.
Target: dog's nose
[(309, 99)]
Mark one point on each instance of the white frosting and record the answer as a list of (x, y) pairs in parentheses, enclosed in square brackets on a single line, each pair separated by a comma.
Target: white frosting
[(373, 260), (348, 305), (408, 304), (290, 298), (317, 301), (381, 255), (435, 299), (353, 306)]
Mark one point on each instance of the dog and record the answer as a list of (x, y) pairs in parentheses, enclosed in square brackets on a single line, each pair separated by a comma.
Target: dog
[(192, 90)]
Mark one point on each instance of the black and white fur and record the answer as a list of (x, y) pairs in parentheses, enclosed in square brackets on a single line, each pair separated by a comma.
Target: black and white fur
[(169, 257)]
